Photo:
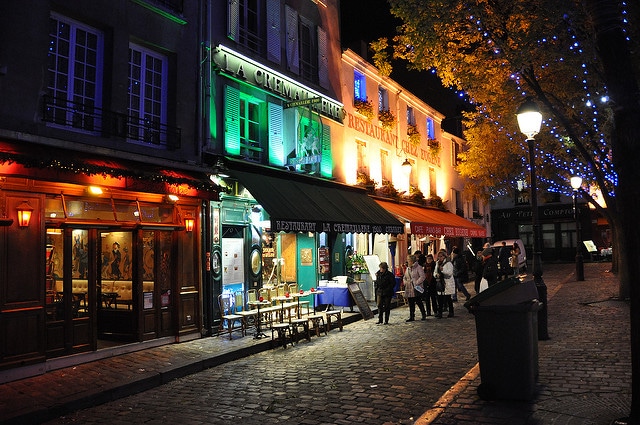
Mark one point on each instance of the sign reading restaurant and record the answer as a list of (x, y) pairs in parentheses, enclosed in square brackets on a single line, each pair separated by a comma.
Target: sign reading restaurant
[(316, 226), (447, 231), (242, 68)]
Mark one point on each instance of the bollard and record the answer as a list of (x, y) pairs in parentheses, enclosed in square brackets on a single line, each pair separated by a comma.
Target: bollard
[(543, 333)]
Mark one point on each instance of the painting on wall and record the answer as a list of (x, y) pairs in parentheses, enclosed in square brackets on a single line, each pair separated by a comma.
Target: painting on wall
[(116, 256)]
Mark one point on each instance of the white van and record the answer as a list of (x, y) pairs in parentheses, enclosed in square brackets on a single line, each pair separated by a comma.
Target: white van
[(522, 258)]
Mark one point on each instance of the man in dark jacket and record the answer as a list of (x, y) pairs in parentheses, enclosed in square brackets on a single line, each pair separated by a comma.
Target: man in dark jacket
[(490, 270), (504, 255), (384, 284)]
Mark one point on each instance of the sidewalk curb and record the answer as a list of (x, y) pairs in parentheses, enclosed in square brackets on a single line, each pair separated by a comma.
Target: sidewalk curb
[(140, 382)]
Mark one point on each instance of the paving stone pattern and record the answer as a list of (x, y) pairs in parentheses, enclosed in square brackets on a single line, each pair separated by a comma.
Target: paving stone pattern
[(424, 371)]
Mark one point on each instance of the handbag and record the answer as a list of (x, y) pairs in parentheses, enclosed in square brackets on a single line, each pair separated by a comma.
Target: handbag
[(419, 288), (484, 284), (440, 284)]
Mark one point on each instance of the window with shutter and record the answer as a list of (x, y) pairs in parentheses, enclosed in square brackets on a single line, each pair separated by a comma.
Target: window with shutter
[(323, 59), (276, 146), (293, 55), (232, 125), (274, 31)]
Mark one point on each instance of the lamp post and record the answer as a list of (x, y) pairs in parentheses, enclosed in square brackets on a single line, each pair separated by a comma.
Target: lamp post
[(529, 121), (576, 182)]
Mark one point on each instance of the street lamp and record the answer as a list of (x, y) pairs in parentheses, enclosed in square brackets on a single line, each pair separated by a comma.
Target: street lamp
[(576, 182), (529, 121)]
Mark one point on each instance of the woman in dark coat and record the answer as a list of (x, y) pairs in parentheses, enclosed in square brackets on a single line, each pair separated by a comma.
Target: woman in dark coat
[(385, 282)]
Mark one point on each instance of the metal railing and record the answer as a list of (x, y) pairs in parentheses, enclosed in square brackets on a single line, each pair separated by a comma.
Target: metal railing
[(104, 123)]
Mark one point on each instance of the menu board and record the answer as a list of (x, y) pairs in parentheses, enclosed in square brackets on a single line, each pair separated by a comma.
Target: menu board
[(373, 264), (361, 302)]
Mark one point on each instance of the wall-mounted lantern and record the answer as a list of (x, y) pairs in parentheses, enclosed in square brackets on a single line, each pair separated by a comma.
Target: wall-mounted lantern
[(24, 214)]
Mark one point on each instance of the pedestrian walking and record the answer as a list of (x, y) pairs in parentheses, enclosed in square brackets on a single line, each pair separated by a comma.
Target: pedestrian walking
[(413, 286), (384, 284), (460, 273), (430, 293), (444, 272), (479, 266), (490, 268)]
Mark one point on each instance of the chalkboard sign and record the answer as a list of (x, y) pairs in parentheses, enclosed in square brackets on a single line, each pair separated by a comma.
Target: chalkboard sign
[(361, 302)]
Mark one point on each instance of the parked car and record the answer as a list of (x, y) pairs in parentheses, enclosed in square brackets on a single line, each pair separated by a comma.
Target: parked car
[(522, 258)]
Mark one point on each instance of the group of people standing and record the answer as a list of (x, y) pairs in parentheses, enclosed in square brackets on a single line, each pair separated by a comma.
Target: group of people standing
[(436, 282), (493, 268)]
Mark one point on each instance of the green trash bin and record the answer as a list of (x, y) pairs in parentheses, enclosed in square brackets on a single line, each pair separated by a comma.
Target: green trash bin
[(507, 339)]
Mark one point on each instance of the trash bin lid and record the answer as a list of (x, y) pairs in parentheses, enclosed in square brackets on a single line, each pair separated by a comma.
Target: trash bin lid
[(506, 292)]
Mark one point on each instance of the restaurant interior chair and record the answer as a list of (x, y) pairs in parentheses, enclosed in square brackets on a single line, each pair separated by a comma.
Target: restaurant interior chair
[(240, 308), (232, 321)]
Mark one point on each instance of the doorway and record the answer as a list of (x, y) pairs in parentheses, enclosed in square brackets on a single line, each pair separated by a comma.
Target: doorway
[(105, 288)]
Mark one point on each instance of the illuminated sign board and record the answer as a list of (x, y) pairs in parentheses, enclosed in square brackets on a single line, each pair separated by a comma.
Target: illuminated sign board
[(242, 68)]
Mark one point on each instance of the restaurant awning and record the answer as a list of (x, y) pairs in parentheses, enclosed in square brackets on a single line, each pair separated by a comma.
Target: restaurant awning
[(297, 203), (64, 165), (431, 221)]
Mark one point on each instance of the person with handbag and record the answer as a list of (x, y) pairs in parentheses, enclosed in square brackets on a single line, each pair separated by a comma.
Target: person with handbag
[(385, 282), (430, 293), (414, 279), (445, 284)]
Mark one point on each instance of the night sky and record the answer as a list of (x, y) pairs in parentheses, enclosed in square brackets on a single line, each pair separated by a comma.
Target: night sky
[(368, 20)]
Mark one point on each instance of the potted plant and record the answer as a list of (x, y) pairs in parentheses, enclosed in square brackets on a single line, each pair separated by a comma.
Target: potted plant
[(416, 196), (434, 147), (363, 107), (365, 181), (356, 266), (414, 134), (388, 190), (387, 119)]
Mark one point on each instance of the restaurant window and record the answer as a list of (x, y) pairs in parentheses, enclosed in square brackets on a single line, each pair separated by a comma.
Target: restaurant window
[(359, 86), (385, 165), (246, 24), (362, 157), (74, 75), (431, 129), (256, 25), (568, 235), (433, 188), (475, 208), (548, 235), (250, 130), (413, 174), (308, 51), (242, 131), (147, 95), (383, 99), (456, 149), (457, 195), (76, 208), (411, 118)]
